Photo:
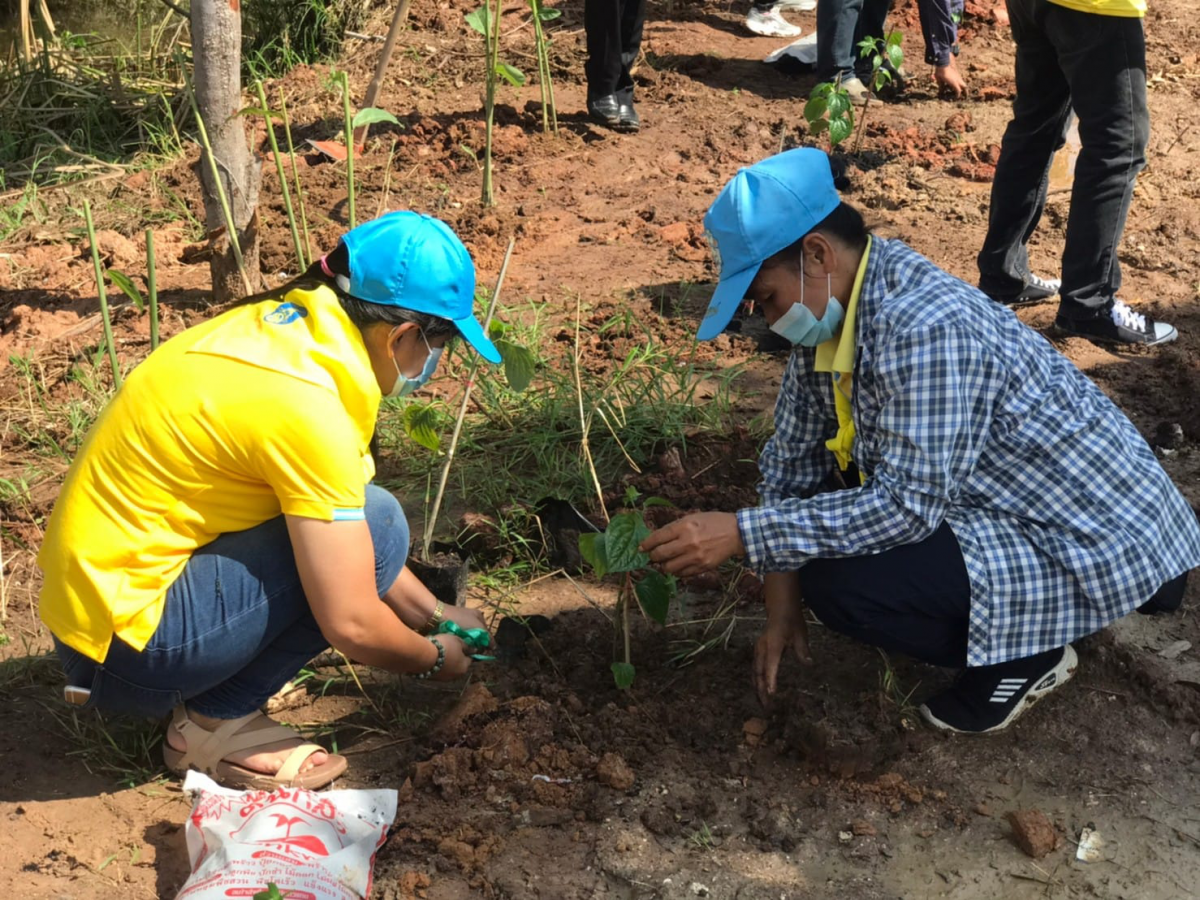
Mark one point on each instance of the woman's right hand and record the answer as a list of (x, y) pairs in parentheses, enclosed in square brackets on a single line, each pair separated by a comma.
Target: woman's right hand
[(785, 628), (458, 658)]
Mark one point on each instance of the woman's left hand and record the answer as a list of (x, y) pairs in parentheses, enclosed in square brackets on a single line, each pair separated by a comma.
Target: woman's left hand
[(695, 543)]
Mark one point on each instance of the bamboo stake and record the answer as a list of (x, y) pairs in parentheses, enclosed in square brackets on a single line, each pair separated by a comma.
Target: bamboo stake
[(287, 130), (230, 227), (583, 421), (104, 314), (385, 56), (349, 149), (152, 289), (283, 183), (431, 522)]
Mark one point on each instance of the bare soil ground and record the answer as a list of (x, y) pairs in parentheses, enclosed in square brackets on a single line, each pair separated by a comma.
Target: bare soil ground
[(682, 787)]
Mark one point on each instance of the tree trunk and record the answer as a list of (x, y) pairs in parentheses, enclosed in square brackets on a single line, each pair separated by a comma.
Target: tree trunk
[(217, 50)]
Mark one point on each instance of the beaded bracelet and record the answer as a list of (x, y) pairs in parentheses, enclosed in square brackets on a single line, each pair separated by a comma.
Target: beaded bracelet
[(437, 666)]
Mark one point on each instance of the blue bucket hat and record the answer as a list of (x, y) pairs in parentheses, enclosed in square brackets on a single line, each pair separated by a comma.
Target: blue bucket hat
[(764, 208), (416, 262)]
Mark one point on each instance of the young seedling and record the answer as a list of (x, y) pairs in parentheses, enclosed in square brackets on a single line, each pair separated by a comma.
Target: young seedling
[(887, 58), (829, 111), (615, 551), (540, 16), (486, 20), (272, 893)]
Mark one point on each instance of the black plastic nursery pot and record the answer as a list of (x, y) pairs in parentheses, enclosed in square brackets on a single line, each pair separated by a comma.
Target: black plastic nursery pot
[(445, 572)]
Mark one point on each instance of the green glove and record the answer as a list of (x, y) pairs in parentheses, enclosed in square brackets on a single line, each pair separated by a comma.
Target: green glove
[(474, 638)]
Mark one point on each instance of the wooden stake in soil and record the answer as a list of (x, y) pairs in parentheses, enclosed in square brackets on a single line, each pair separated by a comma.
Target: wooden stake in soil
[(349, 150), (431, 522), (385, 56), (152, 289), (104, 314)]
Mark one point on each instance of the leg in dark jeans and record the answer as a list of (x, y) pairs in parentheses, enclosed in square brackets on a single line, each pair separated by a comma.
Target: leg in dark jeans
[(1104, 61), (236, 625), (614, 39), (841, 24), (914, 599), (871, 23), (1040, 115)]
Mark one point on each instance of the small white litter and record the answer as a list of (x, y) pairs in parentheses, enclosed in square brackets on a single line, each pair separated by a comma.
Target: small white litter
[(1091, 846)]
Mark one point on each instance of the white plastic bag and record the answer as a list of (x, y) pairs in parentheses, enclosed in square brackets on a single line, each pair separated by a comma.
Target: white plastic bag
[(312, 846)]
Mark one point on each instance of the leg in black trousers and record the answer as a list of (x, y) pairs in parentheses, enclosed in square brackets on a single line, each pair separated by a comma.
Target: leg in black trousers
[(614, 39), (841, 24), (1096, 64), (1040, 116)]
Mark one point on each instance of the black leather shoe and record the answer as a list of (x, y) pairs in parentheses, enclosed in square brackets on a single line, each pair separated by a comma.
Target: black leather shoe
[(630, 121), (605, 110)]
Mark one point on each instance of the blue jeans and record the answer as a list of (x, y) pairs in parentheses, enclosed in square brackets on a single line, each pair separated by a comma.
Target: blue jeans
[(841, 24), (235, 628)]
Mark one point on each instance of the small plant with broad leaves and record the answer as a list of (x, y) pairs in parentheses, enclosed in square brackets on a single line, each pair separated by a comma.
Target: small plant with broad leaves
[(829, 111), (486, 21), (886, 56), (423, 421), (615, 552)]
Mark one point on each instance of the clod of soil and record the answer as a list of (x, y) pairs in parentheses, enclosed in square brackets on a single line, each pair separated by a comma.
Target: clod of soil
[(612, 770), (475, 700), (1033, 832)]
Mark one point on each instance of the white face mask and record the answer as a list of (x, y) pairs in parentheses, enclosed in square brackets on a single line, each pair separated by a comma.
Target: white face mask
[(404, 384), (801, 327)]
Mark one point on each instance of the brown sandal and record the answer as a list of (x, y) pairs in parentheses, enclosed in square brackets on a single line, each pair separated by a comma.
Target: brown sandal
[(207, 751)]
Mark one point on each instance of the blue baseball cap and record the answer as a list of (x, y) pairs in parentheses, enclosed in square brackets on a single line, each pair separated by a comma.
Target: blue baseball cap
[(416, 262), (765, 208)]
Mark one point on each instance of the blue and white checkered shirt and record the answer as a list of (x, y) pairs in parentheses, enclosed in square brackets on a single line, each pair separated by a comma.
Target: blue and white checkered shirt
[(963, 415)]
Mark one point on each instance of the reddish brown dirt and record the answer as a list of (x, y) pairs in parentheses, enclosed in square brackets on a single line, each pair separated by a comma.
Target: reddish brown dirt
[(558, 785)]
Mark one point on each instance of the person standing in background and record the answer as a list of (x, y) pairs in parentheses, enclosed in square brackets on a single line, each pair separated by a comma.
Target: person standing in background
[(1089, 55), (841, 25), (614, 39), (939, 26)]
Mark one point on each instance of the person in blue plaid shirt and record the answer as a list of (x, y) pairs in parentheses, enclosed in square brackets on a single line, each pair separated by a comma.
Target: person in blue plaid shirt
[(988, 504)]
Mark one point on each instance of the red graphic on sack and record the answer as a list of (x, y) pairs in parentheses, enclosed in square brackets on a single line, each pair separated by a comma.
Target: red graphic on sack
[(292, 831)]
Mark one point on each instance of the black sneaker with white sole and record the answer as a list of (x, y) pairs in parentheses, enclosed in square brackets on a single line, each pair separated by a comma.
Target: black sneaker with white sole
[(1119, 324), (990, 698), (1036, 290)]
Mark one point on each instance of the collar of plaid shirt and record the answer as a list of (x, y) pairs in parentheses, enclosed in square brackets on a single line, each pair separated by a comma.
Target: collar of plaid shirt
[(836, 356)]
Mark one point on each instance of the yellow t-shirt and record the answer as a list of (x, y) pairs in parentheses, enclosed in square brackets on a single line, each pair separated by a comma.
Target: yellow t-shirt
[(1126, 9), (266, 409)]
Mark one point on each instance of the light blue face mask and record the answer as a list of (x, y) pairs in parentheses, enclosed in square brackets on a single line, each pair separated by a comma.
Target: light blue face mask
[(405, 385), (801, 327)]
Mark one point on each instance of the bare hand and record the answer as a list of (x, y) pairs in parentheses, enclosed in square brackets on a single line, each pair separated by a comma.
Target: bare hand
[(780, 633), (458, 659), (695, 543), (950, 79), (464, 617)]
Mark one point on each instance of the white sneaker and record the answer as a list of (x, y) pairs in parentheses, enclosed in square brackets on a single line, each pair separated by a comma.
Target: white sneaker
[(801, 5), (771, 23)]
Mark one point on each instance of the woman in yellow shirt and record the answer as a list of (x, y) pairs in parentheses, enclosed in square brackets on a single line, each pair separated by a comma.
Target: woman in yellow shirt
[(217, 529)]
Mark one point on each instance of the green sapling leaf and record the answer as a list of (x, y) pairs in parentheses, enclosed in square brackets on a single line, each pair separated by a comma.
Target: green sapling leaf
[(841, 128), (549, 15), (654, 593), (625, 532), (818, 126), (372, 115), (125, 283), (623, 674), (512, 75), (478, 20), (895, 54), (420, 424), (656, 501), (519, 364), (591, 548), (839, 104), (815, 108)]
